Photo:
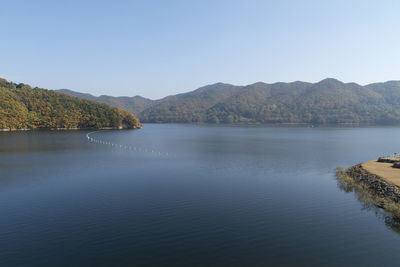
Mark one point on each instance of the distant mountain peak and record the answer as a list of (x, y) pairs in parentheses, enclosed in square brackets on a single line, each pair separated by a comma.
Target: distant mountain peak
[(258, 84), (330, 81), (210, 87), (214, 85)]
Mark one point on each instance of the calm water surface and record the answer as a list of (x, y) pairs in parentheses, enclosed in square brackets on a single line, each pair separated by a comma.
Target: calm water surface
[(192, 196)]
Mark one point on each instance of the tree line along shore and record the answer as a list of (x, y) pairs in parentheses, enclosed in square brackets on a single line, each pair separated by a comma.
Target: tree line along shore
[(23, 107)]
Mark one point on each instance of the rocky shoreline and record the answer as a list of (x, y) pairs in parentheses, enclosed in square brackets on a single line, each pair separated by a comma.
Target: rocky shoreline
[(374, 182)]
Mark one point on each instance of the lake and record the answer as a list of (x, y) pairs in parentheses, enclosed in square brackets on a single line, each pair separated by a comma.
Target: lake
[(187, 195)]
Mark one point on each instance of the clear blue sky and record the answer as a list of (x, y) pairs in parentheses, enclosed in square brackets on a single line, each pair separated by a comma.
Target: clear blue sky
[(157, 48)]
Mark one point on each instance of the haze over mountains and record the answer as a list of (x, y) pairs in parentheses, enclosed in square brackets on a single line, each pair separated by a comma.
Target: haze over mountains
[(326, 102)]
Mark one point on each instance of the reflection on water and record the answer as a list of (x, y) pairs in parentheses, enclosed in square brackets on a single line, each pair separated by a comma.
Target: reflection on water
[(368, 202), (229, 196)]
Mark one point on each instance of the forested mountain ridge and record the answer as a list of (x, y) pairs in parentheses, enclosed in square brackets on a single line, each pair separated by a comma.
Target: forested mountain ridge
[(134, 104), (189, 107), (22, 106), (389, 90), (326, 102)]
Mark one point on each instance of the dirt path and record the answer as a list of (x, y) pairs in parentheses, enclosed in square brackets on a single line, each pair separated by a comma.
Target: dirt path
[(384, 170)]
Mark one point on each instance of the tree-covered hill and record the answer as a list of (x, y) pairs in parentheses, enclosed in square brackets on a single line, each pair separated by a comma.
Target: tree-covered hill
[(189, 107), (326, 102), (24, 107)]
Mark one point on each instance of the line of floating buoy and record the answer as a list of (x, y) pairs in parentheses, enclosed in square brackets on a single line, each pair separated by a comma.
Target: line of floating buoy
[(124, 147)]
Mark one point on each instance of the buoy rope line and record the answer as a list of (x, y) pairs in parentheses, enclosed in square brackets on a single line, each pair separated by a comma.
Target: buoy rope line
[(125, 147)]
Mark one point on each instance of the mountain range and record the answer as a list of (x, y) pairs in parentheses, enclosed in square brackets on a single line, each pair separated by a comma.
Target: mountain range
[(329, 101)]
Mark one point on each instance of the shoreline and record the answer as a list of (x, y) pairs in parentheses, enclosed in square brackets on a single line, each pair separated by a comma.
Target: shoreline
[(374, 182), (68, 129), (380, 185), (295, 124)]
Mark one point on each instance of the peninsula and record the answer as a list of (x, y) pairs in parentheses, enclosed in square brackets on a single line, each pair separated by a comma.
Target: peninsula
[(377, 180)]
